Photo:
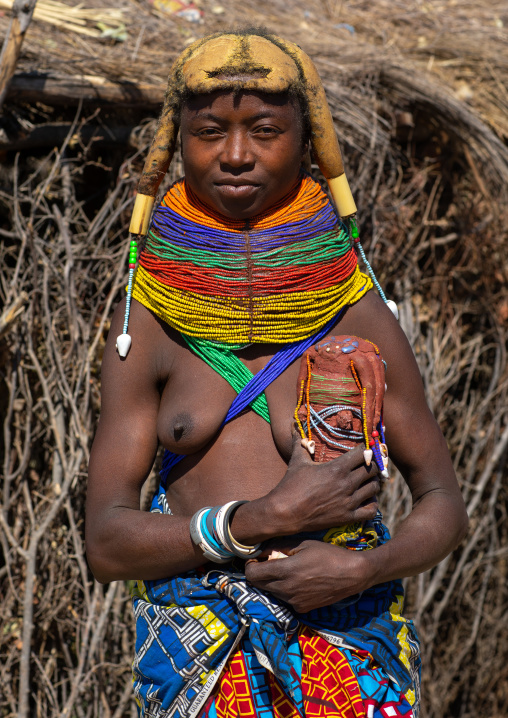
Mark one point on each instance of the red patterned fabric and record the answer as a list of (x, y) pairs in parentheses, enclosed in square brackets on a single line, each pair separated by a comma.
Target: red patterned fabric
[(329, 686)]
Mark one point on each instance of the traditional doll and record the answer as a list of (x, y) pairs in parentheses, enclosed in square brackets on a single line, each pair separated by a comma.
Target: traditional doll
[(341, 386)]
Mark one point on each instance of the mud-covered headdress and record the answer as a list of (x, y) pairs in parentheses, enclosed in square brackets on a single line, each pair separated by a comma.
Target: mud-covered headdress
[(263, 63)]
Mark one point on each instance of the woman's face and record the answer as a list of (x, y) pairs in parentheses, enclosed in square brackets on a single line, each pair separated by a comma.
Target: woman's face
[(243, 152)]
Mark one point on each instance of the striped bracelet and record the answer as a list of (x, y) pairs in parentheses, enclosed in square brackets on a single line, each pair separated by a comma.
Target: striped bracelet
[(210, 530)]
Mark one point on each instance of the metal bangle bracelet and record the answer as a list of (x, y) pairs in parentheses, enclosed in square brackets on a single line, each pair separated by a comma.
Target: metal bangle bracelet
[(211, 537), (199, 540), (194, 526), (223, 519)]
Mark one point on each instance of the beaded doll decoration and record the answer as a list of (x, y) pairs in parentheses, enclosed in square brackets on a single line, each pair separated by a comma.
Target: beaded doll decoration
[(341, 386)]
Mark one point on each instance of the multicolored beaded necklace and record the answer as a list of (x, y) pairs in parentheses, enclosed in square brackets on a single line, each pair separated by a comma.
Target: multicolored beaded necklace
[(276, 278)]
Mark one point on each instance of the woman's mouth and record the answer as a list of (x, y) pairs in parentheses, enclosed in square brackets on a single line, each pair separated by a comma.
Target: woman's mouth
[(237, 190)]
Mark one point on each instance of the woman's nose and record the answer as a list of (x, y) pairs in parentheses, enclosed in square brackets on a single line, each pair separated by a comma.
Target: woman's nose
[(237, 152)]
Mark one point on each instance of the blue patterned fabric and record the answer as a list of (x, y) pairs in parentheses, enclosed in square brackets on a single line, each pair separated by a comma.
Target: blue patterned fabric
[(188, 626)]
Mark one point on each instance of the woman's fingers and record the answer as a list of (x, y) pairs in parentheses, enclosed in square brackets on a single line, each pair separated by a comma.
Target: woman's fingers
[(316, 574), (314, 495), (284, 544), (354, 459), (367, 490), (262, 573), (299, 454)]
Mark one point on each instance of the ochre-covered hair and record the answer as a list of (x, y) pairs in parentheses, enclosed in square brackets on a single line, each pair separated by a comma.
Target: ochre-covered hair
[(248, 60)]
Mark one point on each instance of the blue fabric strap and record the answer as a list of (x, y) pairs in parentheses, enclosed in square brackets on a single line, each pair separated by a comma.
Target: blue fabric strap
[(277, 364)]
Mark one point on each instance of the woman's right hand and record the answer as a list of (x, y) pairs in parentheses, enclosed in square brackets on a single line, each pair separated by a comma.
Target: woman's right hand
[(314, 496)]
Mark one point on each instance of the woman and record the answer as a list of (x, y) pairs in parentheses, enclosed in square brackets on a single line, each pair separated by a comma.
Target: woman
[(241, 273)]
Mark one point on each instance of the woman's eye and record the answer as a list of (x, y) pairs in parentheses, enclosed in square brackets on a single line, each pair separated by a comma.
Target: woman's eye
[(267, 132), (208, 132)]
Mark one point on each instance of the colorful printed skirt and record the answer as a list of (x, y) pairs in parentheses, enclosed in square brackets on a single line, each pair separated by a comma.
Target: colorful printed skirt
[(336, 683), (210, 645)]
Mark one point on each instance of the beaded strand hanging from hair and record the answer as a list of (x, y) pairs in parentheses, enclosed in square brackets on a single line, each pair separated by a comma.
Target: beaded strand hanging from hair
[(124, 340), (355, 235)]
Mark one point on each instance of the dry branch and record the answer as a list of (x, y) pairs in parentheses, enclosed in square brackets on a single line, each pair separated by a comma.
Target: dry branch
[(10, 314), (68, 90), (22, 11), (53, 134)]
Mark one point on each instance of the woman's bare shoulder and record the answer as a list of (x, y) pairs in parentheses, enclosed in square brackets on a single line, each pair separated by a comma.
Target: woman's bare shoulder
[(371, 319), (152, 353)]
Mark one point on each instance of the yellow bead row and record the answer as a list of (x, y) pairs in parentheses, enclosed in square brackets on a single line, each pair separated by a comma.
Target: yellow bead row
[(297, 418), (309, 374), (278, 318)]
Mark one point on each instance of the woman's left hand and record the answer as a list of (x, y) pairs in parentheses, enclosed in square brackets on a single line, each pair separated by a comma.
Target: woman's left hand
[(314, 574)]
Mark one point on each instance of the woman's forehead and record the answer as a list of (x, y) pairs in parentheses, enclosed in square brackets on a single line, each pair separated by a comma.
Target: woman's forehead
[(243, 101)]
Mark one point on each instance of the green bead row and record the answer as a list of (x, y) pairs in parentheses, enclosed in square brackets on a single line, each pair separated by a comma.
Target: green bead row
[(325, 248)]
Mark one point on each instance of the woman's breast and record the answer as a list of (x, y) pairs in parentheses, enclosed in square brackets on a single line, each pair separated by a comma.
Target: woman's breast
[(241, 462), (194, 403), (243, 459), (196, 399)]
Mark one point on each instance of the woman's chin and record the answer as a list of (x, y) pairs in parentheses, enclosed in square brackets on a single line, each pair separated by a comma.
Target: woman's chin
[(238, 202)]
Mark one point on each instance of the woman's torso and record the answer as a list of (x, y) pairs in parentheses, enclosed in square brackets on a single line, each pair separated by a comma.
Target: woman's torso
[(245, 458)]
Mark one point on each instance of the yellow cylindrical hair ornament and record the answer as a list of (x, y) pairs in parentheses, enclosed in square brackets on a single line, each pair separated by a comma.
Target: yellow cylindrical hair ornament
[(342, 195), (141, 214)]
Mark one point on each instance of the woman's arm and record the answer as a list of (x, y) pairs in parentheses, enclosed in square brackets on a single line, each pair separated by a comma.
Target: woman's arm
[(438, 520), (318, 574), (123, 542)]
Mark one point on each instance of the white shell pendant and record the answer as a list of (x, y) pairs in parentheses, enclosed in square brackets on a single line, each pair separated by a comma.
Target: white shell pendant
[(384, 454), (393, 308), (309, 445), (123, 344), (367, 456)]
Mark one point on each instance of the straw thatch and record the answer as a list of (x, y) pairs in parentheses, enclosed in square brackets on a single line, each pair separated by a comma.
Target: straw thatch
[(419, 94)]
